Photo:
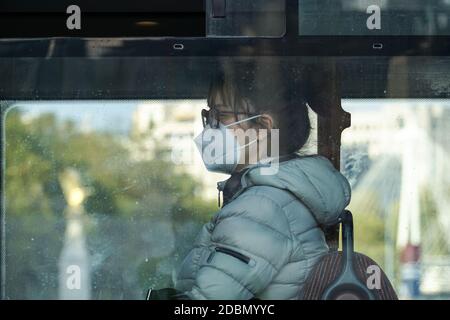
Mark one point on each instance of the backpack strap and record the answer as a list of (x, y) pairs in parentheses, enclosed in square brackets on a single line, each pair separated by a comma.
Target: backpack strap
[(332, 236)]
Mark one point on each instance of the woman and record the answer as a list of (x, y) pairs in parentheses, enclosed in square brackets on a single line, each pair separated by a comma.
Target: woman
[(267, 235)]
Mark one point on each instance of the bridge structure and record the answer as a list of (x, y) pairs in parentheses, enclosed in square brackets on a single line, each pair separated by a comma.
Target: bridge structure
[(408, 145)]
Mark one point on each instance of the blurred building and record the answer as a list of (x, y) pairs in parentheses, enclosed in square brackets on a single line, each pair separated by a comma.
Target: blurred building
[(173, 125)]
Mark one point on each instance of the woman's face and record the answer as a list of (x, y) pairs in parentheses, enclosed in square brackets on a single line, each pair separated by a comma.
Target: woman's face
[(227, 115), (244, 131)]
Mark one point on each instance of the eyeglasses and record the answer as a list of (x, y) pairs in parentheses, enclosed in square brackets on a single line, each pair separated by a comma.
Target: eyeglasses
[(212, 117)]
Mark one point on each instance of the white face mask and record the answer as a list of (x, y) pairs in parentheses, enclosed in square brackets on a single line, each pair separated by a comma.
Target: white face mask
[(220, 148)]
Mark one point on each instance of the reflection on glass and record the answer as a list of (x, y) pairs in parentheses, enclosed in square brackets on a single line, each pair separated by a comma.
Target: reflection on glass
[(355, 17), (243, 18)]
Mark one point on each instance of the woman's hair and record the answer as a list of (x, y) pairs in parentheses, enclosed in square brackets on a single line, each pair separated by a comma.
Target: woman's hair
[(265, 90)]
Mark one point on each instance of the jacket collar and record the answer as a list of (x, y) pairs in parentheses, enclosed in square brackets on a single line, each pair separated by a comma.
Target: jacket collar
[(237, 183)]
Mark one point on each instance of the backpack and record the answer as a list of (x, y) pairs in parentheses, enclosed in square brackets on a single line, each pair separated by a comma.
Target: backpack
[(347, 275)]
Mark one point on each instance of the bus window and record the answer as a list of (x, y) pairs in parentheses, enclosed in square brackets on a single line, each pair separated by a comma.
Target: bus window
[(374, 17), (395, 155), (144, 195), (103, 180), (142, 188)]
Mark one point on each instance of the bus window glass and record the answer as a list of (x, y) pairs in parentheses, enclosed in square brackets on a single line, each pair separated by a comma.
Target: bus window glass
[(103, 179), (374, 17), (118, 188), (396, 155), (243, 18)]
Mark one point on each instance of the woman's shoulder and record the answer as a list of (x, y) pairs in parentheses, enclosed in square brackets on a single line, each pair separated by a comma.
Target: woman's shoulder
[(262, 203), (256, 211), (278, 197), (274, 207)]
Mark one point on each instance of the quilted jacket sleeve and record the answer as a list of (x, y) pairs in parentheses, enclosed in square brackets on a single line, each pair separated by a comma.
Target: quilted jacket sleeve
[(250, 242)]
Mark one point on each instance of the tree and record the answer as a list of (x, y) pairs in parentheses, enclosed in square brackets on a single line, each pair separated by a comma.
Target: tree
[(142, 216)]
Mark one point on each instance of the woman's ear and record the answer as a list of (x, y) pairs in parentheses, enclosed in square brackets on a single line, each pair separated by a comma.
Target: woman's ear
[(267, 121)]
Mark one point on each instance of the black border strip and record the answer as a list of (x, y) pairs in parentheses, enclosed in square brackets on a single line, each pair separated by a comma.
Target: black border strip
[(101, 5)]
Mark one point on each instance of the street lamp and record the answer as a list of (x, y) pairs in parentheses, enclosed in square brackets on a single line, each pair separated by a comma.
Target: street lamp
[(74, 268)]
